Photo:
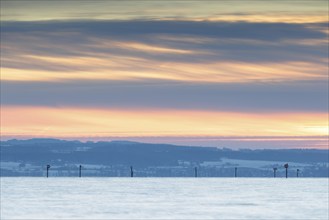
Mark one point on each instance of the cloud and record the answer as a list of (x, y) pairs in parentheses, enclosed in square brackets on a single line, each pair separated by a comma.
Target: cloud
[(134, 28), (250, 11), (166, 64), (168, 50), (251, 97)]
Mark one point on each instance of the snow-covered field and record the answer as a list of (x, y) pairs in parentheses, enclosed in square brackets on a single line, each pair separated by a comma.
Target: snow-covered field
[(164, 198)]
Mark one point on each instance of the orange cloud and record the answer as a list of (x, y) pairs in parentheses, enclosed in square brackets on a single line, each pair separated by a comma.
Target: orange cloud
[(84, 122), (116, 68), (148, 48)]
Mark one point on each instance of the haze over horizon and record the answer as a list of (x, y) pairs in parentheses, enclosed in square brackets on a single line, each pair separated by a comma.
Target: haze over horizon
[(241, 74)]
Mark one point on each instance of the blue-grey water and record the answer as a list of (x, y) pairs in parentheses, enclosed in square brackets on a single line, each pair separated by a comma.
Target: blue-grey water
[(164, 198)]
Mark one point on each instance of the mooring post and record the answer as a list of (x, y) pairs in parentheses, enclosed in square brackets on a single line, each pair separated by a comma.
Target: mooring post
[(297, 173), (48, 166), (274, 171), (235, 172), (131, 171), (286, 166), (195, 172), (80, 170)]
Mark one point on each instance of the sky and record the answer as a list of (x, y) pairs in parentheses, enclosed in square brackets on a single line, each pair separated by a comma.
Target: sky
[(237, 74)]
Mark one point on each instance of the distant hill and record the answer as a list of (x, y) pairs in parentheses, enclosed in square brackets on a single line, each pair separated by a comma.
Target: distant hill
[(28, 157)]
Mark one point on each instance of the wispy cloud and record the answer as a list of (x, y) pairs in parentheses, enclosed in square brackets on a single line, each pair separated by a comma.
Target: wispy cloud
[(168, 50)]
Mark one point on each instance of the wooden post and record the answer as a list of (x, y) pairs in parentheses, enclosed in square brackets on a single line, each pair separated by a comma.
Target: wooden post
[(48, 166), (131, 171), (286, 166), (297, 173), (274, 171), (80, 170), (235, 172), (195, 172)]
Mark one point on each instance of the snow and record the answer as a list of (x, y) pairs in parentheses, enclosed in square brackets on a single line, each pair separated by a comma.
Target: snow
[(164, 198)]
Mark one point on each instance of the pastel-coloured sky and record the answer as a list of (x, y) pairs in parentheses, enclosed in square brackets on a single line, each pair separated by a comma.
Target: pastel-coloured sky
[(238, 74)]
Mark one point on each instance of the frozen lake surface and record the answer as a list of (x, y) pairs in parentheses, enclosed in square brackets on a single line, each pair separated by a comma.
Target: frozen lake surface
[(163, 198)]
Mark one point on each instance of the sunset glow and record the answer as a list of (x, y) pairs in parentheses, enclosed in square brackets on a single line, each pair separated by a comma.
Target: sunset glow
[(70, 122), (119, 70)]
